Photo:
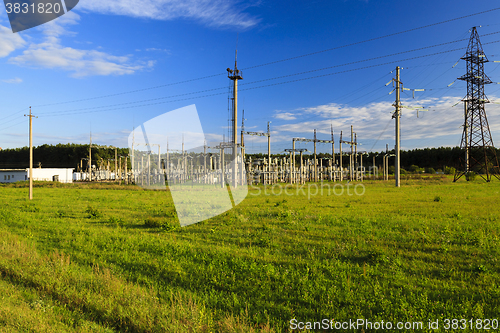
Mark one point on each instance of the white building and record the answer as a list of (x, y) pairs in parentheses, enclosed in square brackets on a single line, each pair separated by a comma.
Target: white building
[(62, 175), (12, 175)]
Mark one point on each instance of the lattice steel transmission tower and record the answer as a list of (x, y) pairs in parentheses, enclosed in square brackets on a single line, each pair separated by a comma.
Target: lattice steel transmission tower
[(479, 154)]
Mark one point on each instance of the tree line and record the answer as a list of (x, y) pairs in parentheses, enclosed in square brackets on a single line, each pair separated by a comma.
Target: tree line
[(73, 155), (59, 156)]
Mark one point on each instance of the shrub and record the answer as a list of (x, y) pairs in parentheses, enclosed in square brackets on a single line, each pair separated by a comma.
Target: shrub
[(414, 168), (449, 170), (430, 170), (470, 176)]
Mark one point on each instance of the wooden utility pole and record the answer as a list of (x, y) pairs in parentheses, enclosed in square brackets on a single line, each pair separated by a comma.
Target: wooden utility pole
[(31, 154)]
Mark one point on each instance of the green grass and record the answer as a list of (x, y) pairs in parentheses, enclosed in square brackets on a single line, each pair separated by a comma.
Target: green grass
[(106, 258)]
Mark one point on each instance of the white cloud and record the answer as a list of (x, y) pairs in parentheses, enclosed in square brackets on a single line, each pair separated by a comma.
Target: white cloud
[(9, 42), (374, 121), (14, 80), (80, 62), (51, 54), (285, 116), (218, 13)]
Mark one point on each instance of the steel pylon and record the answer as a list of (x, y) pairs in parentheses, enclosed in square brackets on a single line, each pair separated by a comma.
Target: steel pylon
[(478, 152)]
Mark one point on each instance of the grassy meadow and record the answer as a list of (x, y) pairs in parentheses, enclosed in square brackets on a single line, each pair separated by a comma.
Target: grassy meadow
[(110, 258)]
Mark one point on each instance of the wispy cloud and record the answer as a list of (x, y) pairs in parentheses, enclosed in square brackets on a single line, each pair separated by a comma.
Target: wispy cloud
[(50, 53), (375, 121), (218, 13), (285, 116), (14, 80), (9, 42)]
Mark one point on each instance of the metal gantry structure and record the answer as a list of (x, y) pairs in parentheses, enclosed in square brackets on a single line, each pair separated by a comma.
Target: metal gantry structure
[(315, 140), (479, 154)]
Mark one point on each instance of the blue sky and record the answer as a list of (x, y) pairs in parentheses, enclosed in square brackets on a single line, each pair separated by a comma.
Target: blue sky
[(79, 71)]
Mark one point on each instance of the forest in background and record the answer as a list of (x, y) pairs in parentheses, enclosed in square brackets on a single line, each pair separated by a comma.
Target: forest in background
[(72, 155)]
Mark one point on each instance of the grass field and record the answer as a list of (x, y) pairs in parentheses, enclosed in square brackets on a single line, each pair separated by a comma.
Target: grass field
[(107, 258)]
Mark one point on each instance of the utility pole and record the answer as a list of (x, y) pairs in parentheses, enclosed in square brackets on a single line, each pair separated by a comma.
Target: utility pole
[(242, 140), (90, 158), (235, 75), (333, 147), (315, 161), (132, 156), (293, 150), (340, 157), (397, 115), (116, 164), (351, 158), (31, 154), (269, 144), (315, 140), (293, 153), (268, 134)]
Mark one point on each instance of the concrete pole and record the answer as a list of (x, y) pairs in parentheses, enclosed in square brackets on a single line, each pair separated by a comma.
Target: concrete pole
[(293, 159), (332, 177), (235, 131), (361, 166), (142, 169), (398, 117), (90, 158), (126, 171), (168, 162), (222, 183), (269, 145), (351, 166), (31, 156), (301, 169), (116, 164), (320, 173), (356, 156), (132, 156), (149, 168), (120, 171), (315, 167), (340, 158), (159, 159), (242, 169)]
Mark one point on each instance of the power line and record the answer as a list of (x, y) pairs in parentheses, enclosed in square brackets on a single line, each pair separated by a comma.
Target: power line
[(373, 39), (75, 111), (131, 91), (272, 62)]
